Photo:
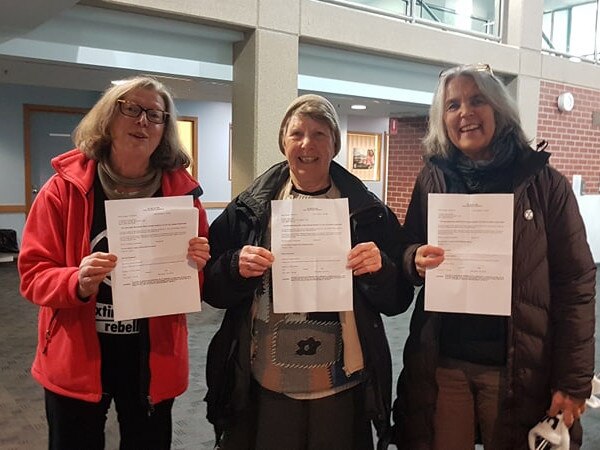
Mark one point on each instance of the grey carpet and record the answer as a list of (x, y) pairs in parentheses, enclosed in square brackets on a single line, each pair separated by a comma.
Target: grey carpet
[(22, 419)]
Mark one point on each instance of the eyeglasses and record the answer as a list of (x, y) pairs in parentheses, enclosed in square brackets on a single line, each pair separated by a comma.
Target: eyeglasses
[(479, 67), (131, 109)]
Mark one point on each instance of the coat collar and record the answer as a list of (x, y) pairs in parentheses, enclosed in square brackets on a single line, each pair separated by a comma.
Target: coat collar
[(259, 194), (79, 170)]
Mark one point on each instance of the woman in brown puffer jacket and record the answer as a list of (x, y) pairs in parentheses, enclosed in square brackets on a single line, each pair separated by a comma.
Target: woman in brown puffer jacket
[(466, 375)]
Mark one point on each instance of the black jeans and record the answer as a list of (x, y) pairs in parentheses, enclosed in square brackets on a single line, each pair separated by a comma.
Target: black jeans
[(75, 424), (275, 421)]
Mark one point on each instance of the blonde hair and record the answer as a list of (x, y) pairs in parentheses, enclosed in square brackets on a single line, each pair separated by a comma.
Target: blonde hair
[(92, 135)]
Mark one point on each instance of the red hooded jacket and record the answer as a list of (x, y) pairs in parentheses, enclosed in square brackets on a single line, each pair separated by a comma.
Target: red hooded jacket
[(55, 240)]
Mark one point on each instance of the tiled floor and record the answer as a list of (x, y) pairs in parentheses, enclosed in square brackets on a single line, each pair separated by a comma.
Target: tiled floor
[(22, 420)]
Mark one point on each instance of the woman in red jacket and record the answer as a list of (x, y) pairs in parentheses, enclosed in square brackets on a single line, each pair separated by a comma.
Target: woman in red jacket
[(128, 147)]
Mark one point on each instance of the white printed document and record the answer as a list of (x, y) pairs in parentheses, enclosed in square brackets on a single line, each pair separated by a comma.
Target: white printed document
[(310, 240), (153, 276), (476, 233)]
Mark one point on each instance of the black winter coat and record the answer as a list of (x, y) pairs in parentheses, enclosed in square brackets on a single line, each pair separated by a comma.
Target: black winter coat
[(550, 333), (244, 222)]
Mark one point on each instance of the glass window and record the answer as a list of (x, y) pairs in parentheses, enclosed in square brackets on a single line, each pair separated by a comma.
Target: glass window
[(570, 27), (472, 15), (583, 19)]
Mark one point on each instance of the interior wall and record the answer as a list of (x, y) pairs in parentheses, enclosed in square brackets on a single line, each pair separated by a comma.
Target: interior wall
[(574, 143), (405, 161), (213, 146), (573, 138)]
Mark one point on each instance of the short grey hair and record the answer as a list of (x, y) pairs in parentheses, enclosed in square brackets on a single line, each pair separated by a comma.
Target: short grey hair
[(317, 108), (92, 135), (506, 113)]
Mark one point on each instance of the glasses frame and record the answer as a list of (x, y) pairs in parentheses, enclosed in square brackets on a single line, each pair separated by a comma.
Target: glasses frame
[(479, 67), (165, 114)]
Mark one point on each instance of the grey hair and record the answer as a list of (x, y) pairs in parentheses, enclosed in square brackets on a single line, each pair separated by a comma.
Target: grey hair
[(506, 113), (92, 135), (317, 108)]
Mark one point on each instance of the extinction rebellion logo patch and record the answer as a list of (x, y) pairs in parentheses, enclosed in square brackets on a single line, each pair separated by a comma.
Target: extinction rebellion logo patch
[(106, 324)]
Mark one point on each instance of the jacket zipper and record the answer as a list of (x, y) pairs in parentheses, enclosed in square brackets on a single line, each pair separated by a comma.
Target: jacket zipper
[(145, 365), (49, 330)]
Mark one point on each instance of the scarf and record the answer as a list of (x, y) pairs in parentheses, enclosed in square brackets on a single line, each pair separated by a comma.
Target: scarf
[(143, 187), (488, 176)]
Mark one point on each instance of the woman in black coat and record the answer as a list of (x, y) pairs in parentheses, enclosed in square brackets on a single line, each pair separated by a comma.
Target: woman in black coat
[(304, 380)]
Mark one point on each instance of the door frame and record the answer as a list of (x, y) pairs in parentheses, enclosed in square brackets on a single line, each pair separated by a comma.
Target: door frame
[(193, 138), (28, 110)]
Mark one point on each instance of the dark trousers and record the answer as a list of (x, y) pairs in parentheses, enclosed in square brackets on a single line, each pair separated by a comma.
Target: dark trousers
[(76, 424), (274, 422)]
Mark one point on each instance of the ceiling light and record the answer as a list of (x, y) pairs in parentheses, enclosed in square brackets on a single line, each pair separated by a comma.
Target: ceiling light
[(360, 107), (166, 77)]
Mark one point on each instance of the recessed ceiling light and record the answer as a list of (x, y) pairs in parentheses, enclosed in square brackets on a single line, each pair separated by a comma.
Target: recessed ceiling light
[(166, 77), (117, 82), (358, 107)]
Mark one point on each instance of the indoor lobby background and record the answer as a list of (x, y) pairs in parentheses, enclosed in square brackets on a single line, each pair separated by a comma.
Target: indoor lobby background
[(235, 65)]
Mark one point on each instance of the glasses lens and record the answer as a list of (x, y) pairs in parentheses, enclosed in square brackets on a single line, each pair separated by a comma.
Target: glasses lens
[(130, 109), (155, 115)]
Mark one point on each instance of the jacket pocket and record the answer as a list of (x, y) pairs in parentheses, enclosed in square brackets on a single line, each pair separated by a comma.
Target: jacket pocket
[(48, 333)]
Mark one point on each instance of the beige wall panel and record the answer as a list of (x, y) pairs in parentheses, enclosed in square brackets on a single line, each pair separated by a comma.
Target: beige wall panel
[(281, 15), (531, 63), (233, 12), (562, 70)]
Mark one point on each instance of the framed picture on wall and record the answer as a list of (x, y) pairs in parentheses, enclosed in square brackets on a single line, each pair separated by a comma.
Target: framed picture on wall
[(364, 155), (188, 132)]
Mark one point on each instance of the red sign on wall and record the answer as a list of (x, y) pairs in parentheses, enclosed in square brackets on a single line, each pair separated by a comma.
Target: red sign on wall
[(393, 126)]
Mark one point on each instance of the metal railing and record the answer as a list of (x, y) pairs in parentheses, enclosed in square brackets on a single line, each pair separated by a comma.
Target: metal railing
[(427, 13)]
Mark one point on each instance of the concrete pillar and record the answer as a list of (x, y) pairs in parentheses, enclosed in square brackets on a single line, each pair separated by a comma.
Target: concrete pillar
[(523, 29), (526, 90), (265, 81)]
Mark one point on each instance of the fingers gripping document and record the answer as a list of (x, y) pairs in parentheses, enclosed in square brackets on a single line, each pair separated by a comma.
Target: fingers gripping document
[(476, 233), (310, 239), (153, 276)]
